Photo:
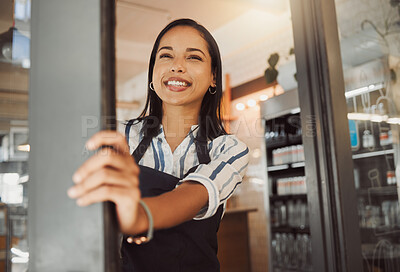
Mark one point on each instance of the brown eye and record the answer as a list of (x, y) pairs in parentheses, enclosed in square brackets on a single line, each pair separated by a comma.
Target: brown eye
[(195, 57), (165, 56)]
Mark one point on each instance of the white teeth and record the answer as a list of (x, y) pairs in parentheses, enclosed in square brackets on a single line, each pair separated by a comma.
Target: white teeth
[(177, 83)]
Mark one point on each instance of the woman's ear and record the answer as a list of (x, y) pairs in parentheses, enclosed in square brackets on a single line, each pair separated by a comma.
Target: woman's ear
[(214, 81)]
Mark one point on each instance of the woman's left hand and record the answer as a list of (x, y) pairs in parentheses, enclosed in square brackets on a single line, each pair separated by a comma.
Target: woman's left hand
[(110, 175)]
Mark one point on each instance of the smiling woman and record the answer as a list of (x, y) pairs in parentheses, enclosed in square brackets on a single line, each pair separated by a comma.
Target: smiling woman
[(179, 167), (183, 68)]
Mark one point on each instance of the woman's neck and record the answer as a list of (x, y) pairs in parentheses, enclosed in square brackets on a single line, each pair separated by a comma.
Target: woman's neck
[(177, 122)]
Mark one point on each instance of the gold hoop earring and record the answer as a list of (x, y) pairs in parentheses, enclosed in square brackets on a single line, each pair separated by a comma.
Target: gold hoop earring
[(210, 90), (151, 86)]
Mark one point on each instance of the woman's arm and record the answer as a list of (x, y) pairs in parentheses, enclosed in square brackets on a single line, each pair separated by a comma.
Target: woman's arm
[(112, 175), (173, 208)]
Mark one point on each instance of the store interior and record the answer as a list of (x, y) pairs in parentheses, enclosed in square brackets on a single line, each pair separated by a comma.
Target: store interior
[(266, 226)]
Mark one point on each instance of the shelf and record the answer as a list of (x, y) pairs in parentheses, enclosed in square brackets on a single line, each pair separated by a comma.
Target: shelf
[(381, 231), (286, 229), (298, 165), (274, 198), (284, 141), (295, 139), (280, 167), (277, 142), (278, 268), (383, 191), (373, 154)]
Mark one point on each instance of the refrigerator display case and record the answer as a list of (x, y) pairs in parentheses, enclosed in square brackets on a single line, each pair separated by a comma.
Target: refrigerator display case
[(347, 60), (374, 140), (374, 133), (289, 231)]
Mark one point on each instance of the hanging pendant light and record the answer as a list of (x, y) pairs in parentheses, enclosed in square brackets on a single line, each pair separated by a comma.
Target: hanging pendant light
[(6, 43), (15, 47)]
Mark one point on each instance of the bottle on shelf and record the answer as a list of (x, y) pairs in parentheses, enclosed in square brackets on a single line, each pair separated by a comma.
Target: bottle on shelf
[(368, 140), (291, 185), (291, 251), (391, 177), (288, 154), (385, 138)]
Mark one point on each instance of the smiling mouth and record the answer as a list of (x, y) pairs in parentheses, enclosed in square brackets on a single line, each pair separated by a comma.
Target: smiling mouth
[(177, 83)]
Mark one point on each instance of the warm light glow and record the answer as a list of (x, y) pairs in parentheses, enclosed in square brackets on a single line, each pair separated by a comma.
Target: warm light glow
[(257, 181), (378, 118), (358, 116), (394, 120), (263, 97), (370, 88), (367, 117), (256, 153), (19, 252), (295, 110), (240, 106), (251, 103), (24, 148), (23, 179), (19, 260), (10, 178)]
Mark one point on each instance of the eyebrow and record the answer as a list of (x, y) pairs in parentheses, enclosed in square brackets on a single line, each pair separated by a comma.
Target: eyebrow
[(190, 49), (195, 49)]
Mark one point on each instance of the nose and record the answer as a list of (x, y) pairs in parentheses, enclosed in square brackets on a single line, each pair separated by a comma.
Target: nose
[(178, 66)]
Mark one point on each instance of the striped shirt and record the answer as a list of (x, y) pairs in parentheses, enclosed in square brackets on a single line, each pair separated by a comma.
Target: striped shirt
[(229, 160)]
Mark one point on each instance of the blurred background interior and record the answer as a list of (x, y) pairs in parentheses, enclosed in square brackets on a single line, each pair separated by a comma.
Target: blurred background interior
[(266, 227)]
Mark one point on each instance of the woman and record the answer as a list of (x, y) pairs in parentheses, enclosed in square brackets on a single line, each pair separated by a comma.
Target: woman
[(183, 166)]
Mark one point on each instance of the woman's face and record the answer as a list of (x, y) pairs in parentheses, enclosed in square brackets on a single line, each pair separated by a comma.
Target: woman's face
[(182, 70)]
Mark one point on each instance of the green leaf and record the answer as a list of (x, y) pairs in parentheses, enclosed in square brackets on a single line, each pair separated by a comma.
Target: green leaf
[(273, 59), (270, 75)]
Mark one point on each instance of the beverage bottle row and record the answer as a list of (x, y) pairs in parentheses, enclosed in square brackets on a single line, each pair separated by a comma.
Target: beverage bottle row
[(291, 213), (288, 154), (369, 142), (291, 186), (291, 251)]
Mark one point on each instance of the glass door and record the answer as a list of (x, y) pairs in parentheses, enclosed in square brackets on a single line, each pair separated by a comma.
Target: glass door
[(370, 47)]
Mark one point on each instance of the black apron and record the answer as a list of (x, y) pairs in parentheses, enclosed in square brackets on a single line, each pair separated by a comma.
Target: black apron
[(189, 247)]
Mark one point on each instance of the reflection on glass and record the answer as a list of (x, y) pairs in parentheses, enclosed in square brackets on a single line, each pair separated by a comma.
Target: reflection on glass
[(14, 146), (370, 45)]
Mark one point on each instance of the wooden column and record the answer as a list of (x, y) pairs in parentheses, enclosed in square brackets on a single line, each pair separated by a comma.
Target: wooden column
[(226, 102)]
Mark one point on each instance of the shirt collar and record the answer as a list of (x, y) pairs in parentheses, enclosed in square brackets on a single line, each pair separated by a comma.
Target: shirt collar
[(193, 129)]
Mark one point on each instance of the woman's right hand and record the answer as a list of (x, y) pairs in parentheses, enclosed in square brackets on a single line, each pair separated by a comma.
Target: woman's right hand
[(109, 175)]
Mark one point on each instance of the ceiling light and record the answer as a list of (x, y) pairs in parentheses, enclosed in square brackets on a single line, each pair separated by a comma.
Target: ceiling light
[(263, 97), (14, 47), (240, 106), (251, 103), (24, 147)]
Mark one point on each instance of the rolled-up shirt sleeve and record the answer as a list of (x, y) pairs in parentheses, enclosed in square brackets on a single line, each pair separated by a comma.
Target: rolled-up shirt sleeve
[(229, 160)]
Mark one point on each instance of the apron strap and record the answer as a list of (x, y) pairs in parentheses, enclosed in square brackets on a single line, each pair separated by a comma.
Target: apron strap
[(143, 145), (201, 146), (202, 151), (128, 129), (141, 149)]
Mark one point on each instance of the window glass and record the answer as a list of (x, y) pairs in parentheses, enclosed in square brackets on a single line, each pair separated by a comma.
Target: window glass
[(14, 145)]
